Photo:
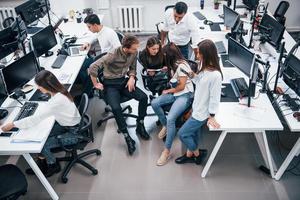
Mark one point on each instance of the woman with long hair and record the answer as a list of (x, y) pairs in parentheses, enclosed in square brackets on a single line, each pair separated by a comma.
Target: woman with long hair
[(66, 115), (179, 96), (207, 96)]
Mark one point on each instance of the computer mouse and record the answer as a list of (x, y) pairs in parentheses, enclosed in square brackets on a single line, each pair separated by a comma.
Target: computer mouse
[(3, 113), (43, 97)]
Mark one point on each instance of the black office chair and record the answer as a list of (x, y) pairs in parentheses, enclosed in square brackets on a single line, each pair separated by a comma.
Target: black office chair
[(84, 135), (280, 12), (108, 110), (13, 182), (120, 36), (7, 22)]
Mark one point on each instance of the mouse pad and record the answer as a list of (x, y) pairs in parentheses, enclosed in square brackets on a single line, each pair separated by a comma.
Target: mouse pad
[(230, 96), (37, 94), (215, 26)]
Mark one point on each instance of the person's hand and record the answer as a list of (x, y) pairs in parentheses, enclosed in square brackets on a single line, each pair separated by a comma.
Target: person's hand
[(7, 127), (165, 91), (130, 84), (191, 74), (212, 122), (99, 86), (164, 69), (85, 46)]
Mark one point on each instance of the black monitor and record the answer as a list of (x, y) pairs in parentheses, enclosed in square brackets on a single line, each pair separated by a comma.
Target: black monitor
[(230, 17), (19, 27), (251, 4), (43, 41), (291, 73), (8, 42), (31, 10), (20, 72), (271, 30), (240, 57)]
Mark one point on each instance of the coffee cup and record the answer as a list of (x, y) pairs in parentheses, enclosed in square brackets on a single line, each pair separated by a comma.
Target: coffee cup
[(173, 82)]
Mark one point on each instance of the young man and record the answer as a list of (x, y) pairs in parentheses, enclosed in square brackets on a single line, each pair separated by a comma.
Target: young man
[(116, 65), (180, 27)]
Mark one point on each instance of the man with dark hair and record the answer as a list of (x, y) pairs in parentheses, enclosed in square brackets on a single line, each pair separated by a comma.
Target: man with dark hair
[(180, 27), (116, 65)]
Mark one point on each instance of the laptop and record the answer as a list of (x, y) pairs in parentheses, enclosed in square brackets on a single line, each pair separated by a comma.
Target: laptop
[(75, 51)]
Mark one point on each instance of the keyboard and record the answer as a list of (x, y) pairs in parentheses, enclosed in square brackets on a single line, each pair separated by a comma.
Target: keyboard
[(27, 110), (240, 87), (59, 61), (220, 47), (199, 15)]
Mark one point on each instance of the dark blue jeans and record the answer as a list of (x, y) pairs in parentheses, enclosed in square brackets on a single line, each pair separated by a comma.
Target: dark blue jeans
[(184, 50)]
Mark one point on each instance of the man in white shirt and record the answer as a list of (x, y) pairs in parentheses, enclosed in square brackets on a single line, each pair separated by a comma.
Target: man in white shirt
[(181, 27)]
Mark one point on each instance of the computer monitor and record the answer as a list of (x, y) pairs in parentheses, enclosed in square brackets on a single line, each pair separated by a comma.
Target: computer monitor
[(31, 10), (251, 4), (240, 57), (43, 41), (272, 30), (20, 72), (291, 73), (8, 42), (230, 17), (19, 27)]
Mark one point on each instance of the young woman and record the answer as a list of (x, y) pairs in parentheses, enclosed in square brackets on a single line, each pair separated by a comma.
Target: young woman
[(206, 102), (179, 97), (152, 57), (62, 107)]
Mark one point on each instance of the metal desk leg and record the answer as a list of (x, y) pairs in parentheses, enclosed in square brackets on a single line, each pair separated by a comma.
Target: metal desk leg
[(41, 176), (269, 156), (295, 150), (213, 153)]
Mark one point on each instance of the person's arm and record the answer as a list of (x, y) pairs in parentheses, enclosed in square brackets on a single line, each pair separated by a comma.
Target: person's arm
[(132, 73), (163, 36), (93, 71), (165, 29), (195, 33), (180, 86)]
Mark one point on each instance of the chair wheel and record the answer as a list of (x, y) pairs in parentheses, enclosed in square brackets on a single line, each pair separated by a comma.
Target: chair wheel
[(95, 172), (98, 152), (129, 109), (64, 179)]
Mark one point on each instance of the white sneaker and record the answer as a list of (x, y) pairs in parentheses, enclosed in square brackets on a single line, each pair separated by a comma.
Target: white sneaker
[(162, 133)]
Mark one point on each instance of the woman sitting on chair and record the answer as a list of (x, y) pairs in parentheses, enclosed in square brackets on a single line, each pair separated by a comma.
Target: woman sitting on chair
[(179, 96), (206, 102), (62, 107)]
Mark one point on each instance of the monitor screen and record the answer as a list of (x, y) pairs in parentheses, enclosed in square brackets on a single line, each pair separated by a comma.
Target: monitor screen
[(251, 4), (43, 41), (30, 11), (271, 28), (240, 56), (8, 42), (230, 17), (291, 74), (20, 72)]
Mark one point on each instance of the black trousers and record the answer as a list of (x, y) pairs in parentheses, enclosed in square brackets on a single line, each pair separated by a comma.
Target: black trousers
[(114, 90)]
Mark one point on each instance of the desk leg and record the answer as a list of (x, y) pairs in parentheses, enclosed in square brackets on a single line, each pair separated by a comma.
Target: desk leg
[(288, 159), (40, 175), (213, 153)]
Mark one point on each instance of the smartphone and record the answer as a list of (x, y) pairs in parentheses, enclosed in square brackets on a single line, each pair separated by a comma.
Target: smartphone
[(6, 134), (186, 73)]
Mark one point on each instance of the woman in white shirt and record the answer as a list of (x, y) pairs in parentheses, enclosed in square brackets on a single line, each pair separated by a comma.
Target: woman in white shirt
[(206, 102), (66, 115), (179, 97)]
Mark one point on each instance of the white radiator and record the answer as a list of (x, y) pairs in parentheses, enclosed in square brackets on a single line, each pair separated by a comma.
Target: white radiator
[(130, 18), (6, 12)]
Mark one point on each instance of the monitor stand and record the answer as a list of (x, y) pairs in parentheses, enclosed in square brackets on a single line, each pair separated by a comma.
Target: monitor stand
[(48, 54)]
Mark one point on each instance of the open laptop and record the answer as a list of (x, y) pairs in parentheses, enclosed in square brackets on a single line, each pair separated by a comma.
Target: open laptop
[(75, 51)]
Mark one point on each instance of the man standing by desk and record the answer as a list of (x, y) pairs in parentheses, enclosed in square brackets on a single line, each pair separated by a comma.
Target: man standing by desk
[(180, 27), (116, 65)]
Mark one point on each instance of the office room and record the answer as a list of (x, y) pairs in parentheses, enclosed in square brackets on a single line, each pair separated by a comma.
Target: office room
[(114, 99)]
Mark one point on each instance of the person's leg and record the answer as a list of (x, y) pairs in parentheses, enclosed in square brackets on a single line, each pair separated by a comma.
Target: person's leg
[(157, 105)]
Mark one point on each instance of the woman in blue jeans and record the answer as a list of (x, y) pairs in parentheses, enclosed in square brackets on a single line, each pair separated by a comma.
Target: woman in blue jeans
[(66, 115), (208, 83), (179, 96)]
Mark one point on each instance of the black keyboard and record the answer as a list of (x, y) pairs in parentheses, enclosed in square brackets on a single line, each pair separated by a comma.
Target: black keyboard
[(220, 47), (27, 110), (199, 15), (240, 87), (59, 61)]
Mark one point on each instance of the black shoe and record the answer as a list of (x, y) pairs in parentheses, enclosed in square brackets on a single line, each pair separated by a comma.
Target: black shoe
[(199, 159), (52, 169), (130, 145), (41, 163), (184, 159), (140, 129)]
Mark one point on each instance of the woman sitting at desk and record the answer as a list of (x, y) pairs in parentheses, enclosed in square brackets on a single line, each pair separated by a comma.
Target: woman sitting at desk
[(179, 97), (62, 107), (206, 102)]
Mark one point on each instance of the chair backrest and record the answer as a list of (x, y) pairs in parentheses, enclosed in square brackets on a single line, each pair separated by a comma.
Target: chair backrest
[(281, 10), (83, 105), (120, 36), (168, 7), (8, 22), (193, 65)]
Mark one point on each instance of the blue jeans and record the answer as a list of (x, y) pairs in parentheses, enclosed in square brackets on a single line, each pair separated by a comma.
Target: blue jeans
[(189, 133), (184, 50), (179, 105)]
